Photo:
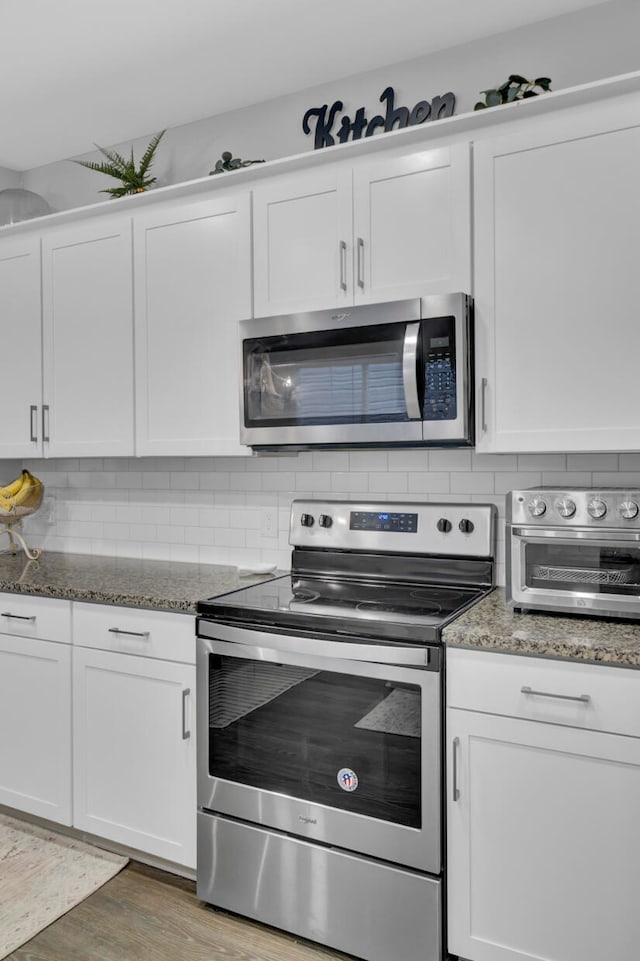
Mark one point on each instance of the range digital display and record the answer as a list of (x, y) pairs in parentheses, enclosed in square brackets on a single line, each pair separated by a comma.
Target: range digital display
[(383, 521)]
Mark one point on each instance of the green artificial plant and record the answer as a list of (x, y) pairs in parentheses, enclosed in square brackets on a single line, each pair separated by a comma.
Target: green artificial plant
[(133, 181), (229, 162), (515, 88)]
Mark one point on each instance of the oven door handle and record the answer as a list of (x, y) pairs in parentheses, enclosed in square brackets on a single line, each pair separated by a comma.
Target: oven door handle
[(280, 645), (576, 534)]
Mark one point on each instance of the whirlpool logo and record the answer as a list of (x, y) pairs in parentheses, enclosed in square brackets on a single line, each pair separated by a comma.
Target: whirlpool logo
[(307, 820)]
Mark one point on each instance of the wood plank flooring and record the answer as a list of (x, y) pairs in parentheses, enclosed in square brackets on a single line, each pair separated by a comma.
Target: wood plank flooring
[(144, 914)]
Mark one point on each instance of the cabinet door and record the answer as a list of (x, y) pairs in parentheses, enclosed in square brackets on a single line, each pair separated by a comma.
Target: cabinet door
[(557, 227), (21, 331), (192, 286), (303, 251), (88, 339), (35, 727), (543, 846), (134, 752), (412, 219)]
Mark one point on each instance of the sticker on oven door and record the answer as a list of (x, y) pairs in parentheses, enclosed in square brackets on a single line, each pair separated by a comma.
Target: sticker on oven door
[(347, 779)]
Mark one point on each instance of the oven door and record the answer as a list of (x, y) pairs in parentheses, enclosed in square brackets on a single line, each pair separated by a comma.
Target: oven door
[(336, 744), (577, 571)]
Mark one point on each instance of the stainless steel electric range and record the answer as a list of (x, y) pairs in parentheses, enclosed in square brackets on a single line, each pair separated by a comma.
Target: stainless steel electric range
[(320, 696)]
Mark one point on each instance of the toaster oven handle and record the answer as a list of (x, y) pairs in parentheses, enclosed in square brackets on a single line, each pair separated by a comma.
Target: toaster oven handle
[(572, 533), (410, 371)]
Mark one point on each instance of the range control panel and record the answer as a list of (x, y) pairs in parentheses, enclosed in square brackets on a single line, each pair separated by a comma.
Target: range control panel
[(615, 508), (460, 530)]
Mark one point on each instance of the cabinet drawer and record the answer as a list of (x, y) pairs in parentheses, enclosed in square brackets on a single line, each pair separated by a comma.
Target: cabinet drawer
[(42, 617), (161, 634), (584, 695)]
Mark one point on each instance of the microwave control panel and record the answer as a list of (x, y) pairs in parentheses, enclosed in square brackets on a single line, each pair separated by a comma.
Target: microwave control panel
[(440, 382)]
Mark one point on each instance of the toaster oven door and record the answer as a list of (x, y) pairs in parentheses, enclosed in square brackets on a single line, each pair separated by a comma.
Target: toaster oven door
[(577, 571)]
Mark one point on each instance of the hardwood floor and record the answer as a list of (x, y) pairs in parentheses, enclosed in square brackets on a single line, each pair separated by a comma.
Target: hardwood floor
[(144, 914)]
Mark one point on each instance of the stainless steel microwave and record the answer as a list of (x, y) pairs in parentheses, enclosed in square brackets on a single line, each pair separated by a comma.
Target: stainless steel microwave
[(376, 375)]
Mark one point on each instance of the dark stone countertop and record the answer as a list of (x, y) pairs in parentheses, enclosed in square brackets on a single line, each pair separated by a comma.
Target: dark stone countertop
[(160, 585), (491, 625)]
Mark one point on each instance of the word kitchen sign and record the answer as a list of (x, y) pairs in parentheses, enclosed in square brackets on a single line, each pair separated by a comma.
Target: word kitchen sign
[(360, 126)]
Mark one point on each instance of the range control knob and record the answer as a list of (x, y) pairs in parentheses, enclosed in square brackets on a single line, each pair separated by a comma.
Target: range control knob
[(444, 525), (597, 508), (307, 520), (565, 507), (466, 526), (537, 507), (628, 510), (325, 520)]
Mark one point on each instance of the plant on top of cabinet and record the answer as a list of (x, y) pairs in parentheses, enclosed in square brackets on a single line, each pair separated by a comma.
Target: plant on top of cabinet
[(229, 162), (515, 88), (133, 181)]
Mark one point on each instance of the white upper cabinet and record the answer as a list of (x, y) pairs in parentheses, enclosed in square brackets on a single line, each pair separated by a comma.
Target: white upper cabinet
[(303, 248), (412, 218), (557, 236), (88, 339), (383, 230), (20, 328), (192, 286)]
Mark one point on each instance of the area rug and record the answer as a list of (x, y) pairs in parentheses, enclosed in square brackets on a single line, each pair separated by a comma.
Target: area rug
[(42, 876), (398, 713)]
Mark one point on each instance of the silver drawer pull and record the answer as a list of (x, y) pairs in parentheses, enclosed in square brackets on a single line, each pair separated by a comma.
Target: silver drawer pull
[(19, 617), (117, 630), (583, 698), (186, 733)]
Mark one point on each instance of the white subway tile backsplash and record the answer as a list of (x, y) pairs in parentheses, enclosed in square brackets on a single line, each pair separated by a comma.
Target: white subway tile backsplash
[(209, 509)]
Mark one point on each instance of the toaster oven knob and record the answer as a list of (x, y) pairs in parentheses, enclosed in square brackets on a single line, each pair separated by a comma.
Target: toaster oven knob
[(536, 507), (306, 520), (597, 508), (628, 510), (444, 525), (325, 520), (565, 507)]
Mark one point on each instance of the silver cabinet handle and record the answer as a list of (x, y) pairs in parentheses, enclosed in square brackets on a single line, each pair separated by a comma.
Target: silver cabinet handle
[(409, 370), (456, 791), (343, 265), (33, 423), (19, 617), (45, 423), (186, 733), (483, 404), (583, 698), (361, 262), (117, 630)]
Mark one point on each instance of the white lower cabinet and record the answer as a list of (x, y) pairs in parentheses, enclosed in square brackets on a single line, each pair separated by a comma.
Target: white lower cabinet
[(35, 706), (543, 846), (134, 759)]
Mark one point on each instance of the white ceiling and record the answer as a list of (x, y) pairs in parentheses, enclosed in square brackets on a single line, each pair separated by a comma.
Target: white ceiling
[(74, 73)]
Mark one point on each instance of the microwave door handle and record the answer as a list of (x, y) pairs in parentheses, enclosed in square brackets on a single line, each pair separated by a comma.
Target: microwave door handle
[(410, 371)]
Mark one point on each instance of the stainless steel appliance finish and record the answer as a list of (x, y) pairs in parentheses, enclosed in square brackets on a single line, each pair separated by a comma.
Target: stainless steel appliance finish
[(574, 551), (395, 373), (374, 911), (320, 726)]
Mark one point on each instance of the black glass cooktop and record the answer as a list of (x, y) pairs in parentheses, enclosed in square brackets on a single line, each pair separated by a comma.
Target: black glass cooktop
[(407, 612)]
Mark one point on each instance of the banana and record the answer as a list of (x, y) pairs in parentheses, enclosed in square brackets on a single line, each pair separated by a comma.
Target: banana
[(24, 491), (12, 489)]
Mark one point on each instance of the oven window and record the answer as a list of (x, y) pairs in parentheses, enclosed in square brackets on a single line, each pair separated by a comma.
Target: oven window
[(337, 739), (590, 568), (329, 377)]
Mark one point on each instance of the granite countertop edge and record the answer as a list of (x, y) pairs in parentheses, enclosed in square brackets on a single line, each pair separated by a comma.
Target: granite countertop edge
[(491, 625)]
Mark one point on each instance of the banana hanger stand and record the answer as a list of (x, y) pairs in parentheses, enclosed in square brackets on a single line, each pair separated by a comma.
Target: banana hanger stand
[(8, 526)]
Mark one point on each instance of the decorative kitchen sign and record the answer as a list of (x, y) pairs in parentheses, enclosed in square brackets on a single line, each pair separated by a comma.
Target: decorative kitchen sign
[(361, 126)]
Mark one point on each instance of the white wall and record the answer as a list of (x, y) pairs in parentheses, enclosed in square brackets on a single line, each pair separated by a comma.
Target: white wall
[(598, 42), (210, 509)]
